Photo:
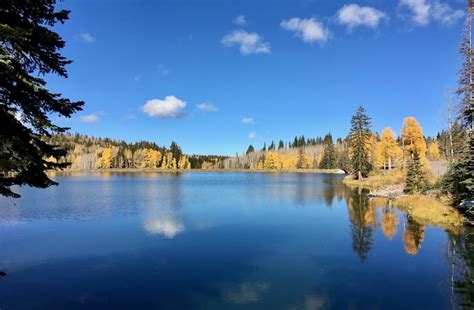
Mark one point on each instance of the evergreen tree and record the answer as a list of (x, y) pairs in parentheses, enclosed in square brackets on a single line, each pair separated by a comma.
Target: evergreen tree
[(264, 149), (281, 145), (272, 146), (459, 181), (176, 151), (359, 143), (300, 163), (415, 178), (329, 159), (250, 149), (30, 50)]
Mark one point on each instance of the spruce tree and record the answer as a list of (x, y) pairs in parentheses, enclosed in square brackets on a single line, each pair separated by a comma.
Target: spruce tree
[(281, 145), (250, 149), (415, 178), (29, 50), (329, 159), (359, 143), (459, 181)]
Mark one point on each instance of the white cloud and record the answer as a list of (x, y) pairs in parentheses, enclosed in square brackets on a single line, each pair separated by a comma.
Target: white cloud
[(206, 107), (163, 70), (423, 11), (308, 29), (240, 20), (167, 108), (167, 227), (87, 37), (89, 118), (354, 15), (137, 77), (249, 43), (252, 135), (445, 14), (247, 120)]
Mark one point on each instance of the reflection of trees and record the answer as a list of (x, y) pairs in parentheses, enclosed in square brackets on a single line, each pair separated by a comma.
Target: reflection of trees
[(413, 236), (461, 256), (359, 215), (389, 222)]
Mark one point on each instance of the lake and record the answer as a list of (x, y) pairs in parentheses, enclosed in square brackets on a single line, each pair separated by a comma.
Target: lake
[(216, 241)]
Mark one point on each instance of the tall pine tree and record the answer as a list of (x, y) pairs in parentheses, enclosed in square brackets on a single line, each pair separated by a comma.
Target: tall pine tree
[(459, 181), (359, 143), (30, 50)]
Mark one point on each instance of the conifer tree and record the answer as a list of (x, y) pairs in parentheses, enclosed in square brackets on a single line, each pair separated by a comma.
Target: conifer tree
[(359, 143), (29, 50), (459, 181), (415, 179), (281, 145), (329, 159), (250, 149)]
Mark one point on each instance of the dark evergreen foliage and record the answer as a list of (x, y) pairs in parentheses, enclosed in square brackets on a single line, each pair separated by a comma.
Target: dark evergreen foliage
[(250, 149), (359, 140), (29, 50), (415, 178)]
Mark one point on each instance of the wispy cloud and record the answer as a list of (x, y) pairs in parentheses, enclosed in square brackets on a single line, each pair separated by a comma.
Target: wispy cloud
[(354, 15), (249, 43), (424, 11), (252, 135), (240, 20), (86, 37), (163, 70), (308, 29), (247, 120), (137, 77), (89, 118), (247, 292), (206, 107), (170, 107)]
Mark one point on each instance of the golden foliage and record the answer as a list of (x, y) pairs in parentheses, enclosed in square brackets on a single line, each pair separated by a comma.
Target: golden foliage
[(412, 139), (389, 223), (387, 151)]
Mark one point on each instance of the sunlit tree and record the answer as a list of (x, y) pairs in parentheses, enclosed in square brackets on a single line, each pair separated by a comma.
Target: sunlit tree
[(387, 149), (359, 144), (412, 139)]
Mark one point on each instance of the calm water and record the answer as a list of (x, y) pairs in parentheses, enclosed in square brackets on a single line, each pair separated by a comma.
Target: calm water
[(216, 241)]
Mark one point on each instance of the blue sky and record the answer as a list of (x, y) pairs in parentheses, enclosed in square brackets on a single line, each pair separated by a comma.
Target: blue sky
[(216, 76)]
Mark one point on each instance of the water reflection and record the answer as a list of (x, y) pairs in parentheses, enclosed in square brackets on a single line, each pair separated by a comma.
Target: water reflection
[(168, 227), (361, 218), (389, 222), (413, 236), (461, 259), (247, 292)]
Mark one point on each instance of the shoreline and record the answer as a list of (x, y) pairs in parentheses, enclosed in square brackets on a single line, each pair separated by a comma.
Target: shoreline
[(423, 208), (138, 170)]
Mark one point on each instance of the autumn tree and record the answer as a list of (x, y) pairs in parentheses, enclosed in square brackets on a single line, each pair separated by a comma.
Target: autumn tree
[(359, 143), (105, 161), (387, 149), (433, 150), (29, 50), (412, 139)]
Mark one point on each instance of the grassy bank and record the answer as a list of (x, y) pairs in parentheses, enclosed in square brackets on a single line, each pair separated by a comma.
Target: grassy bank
[(424, 209), (427, 210), (378, 180)]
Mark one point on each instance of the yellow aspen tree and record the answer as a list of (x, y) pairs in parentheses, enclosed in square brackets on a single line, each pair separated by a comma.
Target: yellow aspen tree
[(271, 160), (412, 139), (173, 164), (260, 165), (433, 151), (387, 149), (164, 163), (105, 162)]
